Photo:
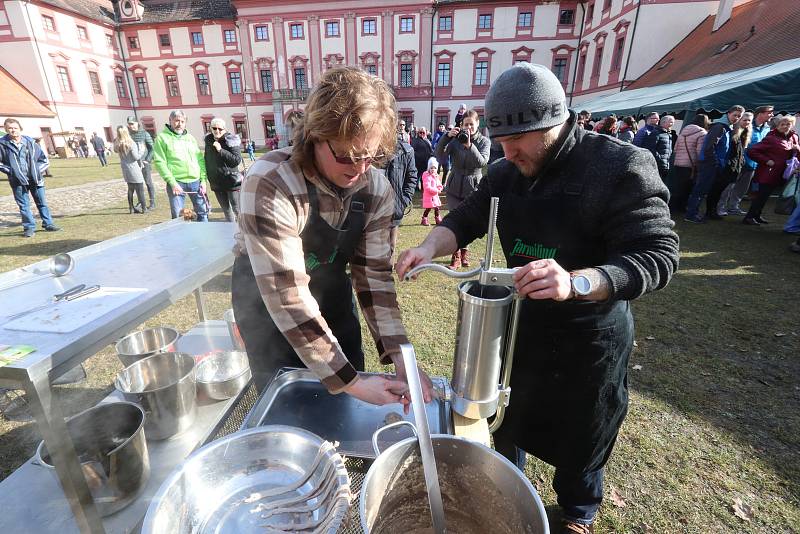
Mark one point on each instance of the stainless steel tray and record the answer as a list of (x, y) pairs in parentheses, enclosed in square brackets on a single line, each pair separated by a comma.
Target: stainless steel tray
[(296, 397)]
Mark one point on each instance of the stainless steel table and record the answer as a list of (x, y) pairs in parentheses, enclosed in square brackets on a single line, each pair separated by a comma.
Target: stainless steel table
[(169, 260)]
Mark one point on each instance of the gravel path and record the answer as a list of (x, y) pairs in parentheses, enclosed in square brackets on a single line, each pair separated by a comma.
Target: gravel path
[(68, 200)]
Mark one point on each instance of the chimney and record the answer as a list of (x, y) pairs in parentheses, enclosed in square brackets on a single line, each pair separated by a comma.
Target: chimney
[(723, 13)]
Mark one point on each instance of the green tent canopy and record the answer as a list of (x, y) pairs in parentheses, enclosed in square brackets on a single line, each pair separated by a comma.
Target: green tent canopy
[(777, 84)]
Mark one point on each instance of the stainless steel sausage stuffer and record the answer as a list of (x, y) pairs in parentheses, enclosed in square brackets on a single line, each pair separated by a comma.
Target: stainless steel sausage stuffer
[(486, 331)]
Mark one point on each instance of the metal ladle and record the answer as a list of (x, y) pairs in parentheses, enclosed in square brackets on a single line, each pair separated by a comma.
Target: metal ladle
[(59, 265)]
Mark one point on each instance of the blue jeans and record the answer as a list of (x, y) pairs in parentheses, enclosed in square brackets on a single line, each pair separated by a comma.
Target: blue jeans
[(102, 157), (793, 224), (198, 201), (22, 199), (705, 180)]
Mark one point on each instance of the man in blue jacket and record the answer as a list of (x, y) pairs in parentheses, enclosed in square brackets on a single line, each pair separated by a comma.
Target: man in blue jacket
[(24, 161), (712, 160)]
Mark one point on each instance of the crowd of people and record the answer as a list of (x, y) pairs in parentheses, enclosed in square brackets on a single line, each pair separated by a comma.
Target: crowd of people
[(713, 167)]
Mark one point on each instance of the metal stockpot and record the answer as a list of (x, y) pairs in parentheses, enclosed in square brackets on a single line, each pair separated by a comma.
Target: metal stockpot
[(483, 314), (164, 385), (144, 343), (482, 491), (110, 442)]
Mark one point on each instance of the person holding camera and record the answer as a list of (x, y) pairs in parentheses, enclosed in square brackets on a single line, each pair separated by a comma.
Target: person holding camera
[(469, 152)]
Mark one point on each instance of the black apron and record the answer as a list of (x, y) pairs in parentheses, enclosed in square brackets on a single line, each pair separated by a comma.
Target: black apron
[(569, 390), (327, 252)]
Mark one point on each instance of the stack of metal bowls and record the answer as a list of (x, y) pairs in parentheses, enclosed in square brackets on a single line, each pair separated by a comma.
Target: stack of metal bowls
[(110, 442), (144, 343), (165, 386)]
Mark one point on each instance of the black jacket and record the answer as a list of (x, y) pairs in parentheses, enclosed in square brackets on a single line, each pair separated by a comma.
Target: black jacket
[(422, 153), (659, 143), (622, 203), (222, 168), (401, 171)]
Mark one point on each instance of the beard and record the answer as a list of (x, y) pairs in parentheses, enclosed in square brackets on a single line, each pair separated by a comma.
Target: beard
[(546, 148)]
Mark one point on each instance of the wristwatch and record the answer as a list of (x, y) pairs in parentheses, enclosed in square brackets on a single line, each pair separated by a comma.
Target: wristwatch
[(581, 285)]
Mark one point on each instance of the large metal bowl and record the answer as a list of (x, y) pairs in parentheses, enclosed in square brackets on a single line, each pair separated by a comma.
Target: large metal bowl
[(164, 385), (144, 343), (223, 375), (215, 489), (110, 442)]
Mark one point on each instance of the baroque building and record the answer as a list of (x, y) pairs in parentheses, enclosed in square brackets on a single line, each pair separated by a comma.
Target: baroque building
[(252, 62)]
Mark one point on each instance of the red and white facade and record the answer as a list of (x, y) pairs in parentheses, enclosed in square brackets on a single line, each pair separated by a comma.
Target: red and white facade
[(253, 71)]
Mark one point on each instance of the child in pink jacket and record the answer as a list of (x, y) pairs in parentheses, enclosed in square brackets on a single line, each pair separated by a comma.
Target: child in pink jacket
[(431, 187)]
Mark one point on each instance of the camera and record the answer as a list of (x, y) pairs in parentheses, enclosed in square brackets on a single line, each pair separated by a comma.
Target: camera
[(463, 137)]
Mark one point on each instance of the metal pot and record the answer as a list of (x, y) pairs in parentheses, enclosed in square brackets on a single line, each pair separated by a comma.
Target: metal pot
[(110, 442), (223, 486), (233, 330), (223, 375), (481, 490), (164, 385), (144, 343)]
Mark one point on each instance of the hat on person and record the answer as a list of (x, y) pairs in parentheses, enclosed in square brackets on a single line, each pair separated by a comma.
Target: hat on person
[(525, 98), (432, 161), (131, 119)]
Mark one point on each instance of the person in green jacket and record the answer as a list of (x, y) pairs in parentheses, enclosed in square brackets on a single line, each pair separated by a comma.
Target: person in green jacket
[(179, 161)]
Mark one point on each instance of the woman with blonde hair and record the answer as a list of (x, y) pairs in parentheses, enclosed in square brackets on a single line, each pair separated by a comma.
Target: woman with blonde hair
[(130, 155), (306, 213), (740, 139)]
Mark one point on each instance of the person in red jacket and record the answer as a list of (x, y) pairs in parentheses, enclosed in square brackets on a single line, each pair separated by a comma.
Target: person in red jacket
[(771, 154)]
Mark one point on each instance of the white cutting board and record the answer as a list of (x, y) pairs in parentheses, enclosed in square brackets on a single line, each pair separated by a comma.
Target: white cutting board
[(70, 315)]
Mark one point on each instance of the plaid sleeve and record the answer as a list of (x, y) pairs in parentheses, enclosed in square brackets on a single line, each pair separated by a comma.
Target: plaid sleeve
[(371, 270), (273, 211)]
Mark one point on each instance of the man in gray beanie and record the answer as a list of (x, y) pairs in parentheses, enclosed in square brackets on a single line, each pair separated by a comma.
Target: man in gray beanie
[(583, 218)]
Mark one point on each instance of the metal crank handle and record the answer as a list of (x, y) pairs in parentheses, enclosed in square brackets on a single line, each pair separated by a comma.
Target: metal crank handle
[(387, 427), (444, 270)]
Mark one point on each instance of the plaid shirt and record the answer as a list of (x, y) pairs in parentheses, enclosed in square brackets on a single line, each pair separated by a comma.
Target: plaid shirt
[(273, 210)]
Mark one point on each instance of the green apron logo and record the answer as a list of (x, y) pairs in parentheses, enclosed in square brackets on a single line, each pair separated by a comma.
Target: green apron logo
[(536, 251), (313, 263)]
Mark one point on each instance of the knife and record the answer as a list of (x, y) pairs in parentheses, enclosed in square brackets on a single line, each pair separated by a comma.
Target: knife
[(70, 294)]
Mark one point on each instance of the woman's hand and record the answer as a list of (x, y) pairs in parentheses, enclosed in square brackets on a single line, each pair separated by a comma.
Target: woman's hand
[(217, 146), (453, 131), (380, 390), (428, 393)]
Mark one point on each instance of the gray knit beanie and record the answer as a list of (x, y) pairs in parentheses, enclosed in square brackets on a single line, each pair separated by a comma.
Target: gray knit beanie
[(525, 98)]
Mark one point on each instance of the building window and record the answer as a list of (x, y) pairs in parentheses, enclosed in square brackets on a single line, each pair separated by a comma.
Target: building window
[(332, 29), (197, 38), (484, 22), (172, 85), (369, 27), (560, 69), (567, 17), (119, 82), (581, 68), (406, 75), (524, 20), (133, 43), (372, 69), (443, 74), (589, 13), (300, 81), (141, 87), (296, 31), (206, 126), (94, 79), (202, 84), (406, 24), (266, 80), (446, 23), (261, 33), (618, 50), (82, 35), (163, 39), (235, 78), (269, 128), (109, 41), (598, 58), (606, 7), (49, 23), (230, 36), (63, 79), (481, 72)]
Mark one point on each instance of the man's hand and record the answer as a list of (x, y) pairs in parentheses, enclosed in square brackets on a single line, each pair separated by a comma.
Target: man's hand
[(380, 390), (543, 279), (202, 189), (409, 259), (428, 393), (217, 146), (770, 163), (177, 190)]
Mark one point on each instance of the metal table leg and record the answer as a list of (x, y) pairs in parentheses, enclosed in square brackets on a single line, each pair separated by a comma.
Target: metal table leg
[(62, 451), (201, 303)]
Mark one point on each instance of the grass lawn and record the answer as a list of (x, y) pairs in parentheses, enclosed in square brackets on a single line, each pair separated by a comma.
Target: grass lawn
[(713, 431), (77, 171)]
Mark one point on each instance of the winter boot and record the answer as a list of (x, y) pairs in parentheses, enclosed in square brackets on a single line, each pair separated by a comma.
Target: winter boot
[(464, 257), (437, 220), (425, 222), (455, 261)]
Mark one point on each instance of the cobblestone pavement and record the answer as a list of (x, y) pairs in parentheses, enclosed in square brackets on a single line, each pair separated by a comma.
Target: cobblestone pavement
[(68, 200)]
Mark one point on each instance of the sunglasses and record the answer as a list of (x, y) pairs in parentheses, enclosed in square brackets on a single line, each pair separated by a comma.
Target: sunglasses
[(349, 160), (217, 129)]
